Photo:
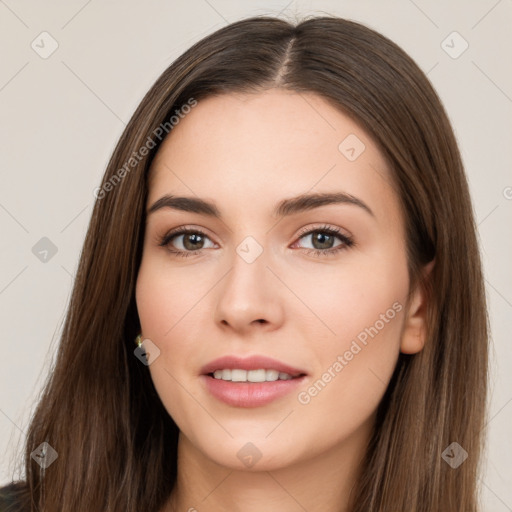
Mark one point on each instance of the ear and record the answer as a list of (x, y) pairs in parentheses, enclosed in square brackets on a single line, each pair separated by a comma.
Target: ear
[(414, 332)]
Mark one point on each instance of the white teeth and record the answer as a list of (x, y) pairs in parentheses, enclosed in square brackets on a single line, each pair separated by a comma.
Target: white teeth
[(271, 375), (256, 375), (260, 375), (238, 375)]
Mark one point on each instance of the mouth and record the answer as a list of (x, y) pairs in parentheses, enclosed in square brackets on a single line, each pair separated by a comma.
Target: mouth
[(259, 375), (250, 382), (257, 367)]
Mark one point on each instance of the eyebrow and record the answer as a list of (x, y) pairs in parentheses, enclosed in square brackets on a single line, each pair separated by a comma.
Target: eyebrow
[(284, 208)]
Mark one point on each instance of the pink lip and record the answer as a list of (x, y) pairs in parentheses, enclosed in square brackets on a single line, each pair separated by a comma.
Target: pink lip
[(250, 394), (250, 363)]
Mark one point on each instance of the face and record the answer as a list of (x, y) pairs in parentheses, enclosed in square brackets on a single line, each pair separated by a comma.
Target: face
[(320, 287)]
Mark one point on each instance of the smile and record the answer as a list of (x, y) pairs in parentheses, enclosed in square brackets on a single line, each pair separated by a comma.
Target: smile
[(260, 375)]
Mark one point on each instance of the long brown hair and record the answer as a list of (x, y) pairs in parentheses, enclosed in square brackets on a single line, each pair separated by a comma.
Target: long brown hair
[(99, 410)]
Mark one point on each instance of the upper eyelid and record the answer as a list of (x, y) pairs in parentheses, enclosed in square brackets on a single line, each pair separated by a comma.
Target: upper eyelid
[(324, 227)]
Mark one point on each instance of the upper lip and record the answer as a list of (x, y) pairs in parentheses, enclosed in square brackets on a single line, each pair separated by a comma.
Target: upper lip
[(250, 363)]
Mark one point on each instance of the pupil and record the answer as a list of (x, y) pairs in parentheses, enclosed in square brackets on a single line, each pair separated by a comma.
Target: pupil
[(319, 237), (193, 236)]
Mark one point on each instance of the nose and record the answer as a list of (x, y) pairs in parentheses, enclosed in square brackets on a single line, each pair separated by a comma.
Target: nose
[(250, 296)]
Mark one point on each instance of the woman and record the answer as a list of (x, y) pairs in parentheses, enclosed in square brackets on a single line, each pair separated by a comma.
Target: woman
[(347, 374)]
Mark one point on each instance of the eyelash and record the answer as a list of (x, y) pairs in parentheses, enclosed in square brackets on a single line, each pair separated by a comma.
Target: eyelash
[(346, 241)]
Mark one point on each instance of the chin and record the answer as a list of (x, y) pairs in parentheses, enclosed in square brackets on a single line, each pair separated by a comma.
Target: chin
[(242, 454)]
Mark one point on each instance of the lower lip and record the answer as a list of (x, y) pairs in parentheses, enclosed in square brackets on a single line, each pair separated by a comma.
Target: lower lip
[(249, 394)]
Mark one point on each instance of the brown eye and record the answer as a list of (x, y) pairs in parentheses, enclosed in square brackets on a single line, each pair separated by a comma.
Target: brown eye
[(191, 242), (323, 240)]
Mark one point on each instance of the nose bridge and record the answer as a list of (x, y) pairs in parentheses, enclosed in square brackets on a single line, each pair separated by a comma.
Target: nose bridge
[(248, 292), (248, 268)]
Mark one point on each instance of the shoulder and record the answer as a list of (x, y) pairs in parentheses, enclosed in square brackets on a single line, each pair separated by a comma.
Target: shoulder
[(10, 497)]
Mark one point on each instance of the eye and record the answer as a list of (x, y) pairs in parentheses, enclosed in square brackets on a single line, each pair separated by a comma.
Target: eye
[(323, 239), (192, 241)]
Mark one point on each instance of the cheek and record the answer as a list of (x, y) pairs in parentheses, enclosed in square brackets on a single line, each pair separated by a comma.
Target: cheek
[(360, 299), (364, 306), (169, 308), (166, 296)]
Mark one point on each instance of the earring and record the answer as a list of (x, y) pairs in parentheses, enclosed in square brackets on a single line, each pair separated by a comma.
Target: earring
[(138, 340)]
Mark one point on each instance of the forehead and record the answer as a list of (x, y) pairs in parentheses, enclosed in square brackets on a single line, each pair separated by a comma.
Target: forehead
[(259, 148)]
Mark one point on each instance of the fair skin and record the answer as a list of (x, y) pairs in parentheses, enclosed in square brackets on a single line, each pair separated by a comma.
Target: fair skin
[(246, 153)]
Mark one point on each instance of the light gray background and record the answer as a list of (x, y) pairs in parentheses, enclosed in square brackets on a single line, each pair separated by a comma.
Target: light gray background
[(61, 117)]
